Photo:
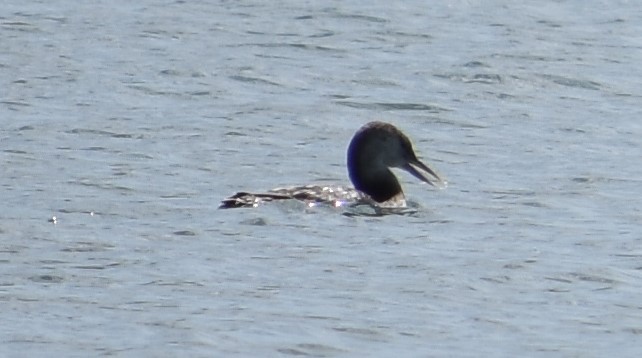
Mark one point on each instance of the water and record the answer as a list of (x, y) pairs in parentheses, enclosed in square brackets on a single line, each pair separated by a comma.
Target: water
[(129, 121)]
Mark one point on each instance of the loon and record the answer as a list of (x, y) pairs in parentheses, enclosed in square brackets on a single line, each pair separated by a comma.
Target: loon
[(375, 148)]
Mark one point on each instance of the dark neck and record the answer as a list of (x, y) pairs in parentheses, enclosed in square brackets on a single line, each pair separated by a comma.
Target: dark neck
[(381, 186)]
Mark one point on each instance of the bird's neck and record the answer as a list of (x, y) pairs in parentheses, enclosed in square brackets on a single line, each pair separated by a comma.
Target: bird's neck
[(380, 184)]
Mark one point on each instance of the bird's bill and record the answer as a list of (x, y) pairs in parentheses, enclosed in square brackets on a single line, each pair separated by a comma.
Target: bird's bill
[(422, 172)]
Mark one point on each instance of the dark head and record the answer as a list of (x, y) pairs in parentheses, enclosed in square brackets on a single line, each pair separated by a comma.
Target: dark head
[(376, 147)]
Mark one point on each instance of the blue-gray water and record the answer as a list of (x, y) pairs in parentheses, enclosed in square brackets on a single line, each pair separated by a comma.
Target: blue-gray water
[(129, 120)]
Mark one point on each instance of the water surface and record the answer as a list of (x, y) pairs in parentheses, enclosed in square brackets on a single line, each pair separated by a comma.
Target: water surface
[(129, 121)]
